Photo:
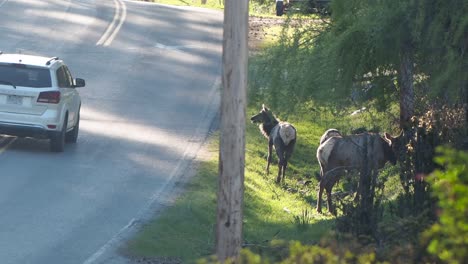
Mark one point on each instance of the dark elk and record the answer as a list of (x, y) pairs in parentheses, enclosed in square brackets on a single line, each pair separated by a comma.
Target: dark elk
[(280, 135), (339, 153)]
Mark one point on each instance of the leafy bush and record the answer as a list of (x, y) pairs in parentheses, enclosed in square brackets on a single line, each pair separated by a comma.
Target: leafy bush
[(449, 237), (341, 249)]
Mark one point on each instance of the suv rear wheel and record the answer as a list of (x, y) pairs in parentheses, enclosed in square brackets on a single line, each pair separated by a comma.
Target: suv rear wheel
[(57, 142), (72, 136)]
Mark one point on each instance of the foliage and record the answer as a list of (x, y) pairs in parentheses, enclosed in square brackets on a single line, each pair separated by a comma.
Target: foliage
[(328, 254), (334, 248), (442, 28), (353, 58), (362, 217), (332, 58), (280, 75), (370, 36), (440, 124), (449, 237), (303, 220)]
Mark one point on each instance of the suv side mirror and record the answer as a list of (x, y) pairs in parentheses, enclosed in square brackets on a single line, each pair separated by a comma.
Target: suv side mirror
[(78, 82)]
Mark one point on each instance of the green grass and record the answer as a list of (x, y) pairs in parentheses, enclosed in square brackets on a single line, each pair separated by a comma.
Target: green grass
[(272, 210)]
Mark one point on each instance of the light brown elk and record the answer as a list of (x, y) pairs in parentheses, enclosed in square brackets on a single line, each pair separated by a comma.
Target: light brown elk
[(340, 153), (280, 135)]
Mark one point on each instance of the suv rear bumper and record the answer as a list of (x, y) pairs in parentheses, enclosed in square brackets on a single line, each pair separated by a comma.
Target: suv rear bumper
[(26, 130)]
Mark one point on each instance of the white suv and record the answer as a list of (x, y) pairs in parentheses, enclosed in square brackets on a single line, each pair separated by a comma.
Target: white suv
[(38, 99)]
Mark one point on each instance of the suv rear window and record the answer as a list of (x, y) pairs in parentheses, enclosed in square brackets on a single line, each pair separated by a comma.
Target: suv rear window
[(23, 75)]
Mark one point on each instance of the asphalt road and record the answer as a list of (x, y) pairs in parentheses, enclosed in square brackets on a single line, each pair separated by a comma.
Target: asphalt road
[(152, 75)]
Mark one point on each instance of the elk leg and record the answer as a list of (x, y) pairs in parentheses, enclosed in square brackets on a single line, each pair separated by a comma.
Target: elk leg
[(328, 181), (279, 152), (269, 158), (280, 169), (287, 155), (284, 169), (319, 197), (320, 192), (331, 208)]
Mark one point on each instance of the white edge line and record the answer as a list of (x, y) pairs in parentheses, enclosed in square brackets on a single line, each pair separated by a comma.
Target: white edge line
[(113, 240), (117, 29), (111, 26)]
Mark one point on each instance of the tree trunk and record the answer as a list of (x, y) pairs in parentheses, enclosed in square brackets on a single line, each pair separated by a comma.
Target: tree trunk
[(366, 202), (405, 82), (405, 79), (232, 142)]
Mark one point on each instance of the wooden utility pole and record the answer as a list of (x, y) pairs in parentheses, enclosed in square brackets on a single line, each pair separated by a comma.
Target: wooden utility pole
[(232, 142)]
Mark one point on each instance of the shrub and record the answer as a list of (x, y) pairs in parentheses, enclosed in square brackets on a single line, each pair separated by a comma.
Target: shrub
[(449, 236)]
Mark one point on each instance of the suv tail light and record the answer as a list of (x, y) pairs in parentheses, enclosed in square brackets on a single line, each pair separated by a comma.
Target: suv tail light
[(50, 97)]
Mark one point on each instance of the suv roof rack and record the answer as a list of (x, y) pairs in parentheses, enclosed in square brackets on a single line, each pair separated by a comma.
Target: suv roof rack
[(51, 59)]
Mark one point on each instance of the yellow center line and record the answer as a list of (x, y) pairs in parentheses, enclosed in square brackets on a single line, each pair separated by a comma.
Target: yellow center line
[(112, 30), (117, 29), (111, 26)]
